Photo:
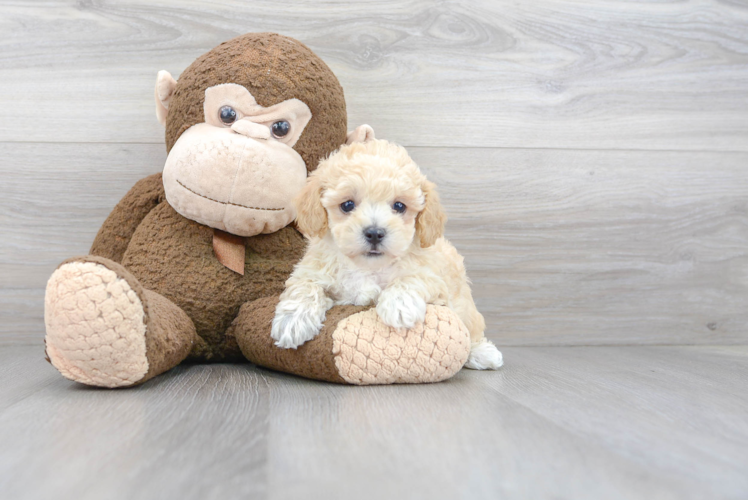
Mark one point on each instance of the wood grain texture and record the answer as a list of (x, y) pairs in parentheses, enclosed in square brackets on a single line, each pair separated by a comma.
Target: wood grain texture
[(596, 247), (588, 422), (550, 73), (563, 247)]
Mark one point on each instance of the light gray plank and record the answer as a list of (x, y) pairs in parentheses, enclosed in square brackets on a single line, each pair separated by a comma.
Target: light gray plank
[(654, 405), (643, 75), (452, 440), (515, 448), (193, 433), (22, 315), (589, 422), (563, 247), (23, 372), (597, 247)]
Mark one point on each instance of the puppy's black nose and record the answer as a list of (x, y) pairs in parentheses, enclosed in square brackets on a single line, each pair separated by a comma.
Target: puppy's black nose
[(374, 234)]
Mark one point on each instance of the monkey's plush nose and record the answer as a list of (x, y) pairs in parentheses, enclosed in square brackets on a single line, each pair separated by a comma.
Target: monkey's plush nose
[(251, 129)]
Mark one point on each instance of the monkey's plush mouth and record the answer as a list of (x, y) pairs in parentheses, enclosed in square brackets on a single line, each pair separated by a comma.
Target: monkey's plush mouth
[(227, 202)]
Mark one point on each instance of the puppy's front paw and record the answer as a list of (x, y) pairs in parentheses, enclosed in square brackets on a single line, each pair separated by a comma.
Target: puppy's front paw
[(292, 326), (399, 308)]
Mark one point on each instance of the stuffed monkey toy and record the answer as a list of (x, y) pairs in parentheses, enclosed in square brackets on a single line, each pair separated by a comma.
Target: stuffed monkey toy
[(189, 264)]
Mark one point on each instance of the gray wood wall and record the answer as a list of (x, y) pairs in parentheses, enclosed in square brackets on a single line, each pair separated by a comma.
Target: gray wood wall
[(593, 156)]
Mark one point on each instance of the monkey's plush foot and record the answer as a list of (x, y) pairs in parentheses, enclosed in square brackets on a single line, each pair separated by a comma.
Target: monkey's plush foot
[(104, 329), (355, 347), (484, 356), (95, 326)]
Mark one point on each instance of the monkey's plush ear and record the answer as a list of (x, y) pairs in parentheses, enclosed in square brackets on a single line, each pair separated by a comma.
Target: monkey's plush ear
[(363, 133), (430, 221), (165, 85), (311, 216)]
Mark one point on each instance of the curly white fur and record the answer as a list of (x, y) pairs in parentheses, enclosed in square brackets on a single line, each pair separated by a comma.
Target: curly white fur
[(484, 356), (300, 315), (401, 308), (413, 265)]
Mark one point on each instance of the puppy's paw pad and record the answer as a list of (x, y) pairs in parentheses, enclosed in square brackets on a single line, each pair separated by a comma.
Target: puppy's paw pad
[(401, 309), (484, 356)]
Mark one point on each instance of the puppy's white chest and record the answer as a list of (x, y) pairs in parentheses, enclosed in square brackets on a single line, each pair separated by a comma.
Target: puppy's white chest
[(359, 287)]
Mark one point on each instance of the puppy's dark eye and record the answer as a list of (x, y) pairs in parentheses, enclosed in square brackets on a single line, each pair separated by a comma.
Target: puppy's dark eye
[(399, 207), (347, 206), (227, 115), (281, 128)]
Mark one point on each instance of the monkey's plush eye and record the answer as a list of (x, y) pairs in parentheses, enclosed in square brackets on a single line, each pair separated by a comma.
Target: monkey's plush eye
[(281, 128), (227, 114), (399, 207), (347, 206)]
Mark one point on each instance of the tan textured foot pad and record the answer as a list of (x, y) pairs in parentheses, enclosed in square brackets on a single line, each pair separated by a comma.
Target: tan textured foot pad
[(95, 326), (368, 352)]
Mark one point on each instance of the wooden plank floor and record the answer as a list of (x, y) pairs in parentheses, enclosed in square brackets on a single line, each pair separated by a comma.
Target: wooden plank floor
[(593, 160), (557, 422)]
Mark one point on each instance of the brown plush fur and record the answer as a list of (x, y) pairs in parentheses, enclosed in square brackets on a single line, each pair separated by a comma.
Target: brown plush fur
[(313, 360), (173, 256), (170, 335), (114, 235), (273, 68)]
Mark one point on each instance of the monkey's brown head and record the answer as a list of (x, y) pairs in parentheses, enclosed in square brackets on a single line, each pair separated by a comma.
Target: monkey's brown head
[(244, 125)]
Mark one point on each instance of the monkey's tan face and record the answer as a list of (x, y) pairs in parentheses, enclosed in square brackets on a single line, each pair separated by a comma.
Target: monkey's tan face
[(238, 171)]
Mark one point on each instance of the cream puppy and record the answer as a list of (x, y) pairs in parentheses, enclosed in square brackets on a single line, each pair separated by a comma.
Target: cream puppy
[(375, 226)]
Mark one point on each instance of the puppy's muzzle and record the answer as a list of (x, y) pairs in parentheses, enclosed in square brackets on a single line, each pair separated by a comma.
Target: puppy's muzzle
[(374, 235)]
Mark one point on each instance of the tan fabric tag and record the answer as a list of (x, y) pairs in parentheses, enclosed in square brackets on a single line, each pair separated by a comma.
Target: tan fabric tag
[(229, 250)]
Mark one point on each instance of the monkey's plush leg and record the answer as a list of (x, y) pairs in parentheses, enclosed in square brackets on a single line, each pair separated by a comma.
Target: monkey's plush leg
[(104, 329), (355, 347)]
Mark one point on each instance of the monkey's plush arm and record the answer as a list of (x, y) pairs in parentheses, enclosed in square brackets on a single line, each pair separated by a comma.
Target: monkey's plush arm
[(114, 235), (356, 347)]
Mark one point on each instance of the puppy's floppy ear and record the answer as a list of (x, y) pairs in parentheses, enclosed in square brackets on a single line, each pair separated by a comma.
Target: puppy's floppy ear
[(430, 221), (311, 216), (362, 133)]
